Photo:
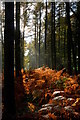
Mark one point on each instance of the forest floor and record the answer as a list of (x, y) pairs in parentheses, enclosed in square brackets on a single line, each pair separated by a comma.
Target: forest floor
[(46, 94)]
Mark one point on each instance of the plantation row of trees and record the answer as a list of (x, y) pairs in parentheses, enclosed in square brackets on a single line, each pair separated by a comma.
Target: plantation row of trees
[(56, 38), (55, 41)]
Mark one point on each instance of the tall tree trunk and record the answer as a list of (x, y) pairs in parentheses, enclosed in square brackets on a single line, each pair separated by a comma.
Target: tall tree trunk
[(52, 45), (35, 48), (39, 36), (78, 14), (78, 20), (45, 33), (79, 52), (69, 37), (37, 41), (70, 44), (9, 99), (59, 31), (17, 41), (1, 45), (54, 42), (23, 51), (64, 45)]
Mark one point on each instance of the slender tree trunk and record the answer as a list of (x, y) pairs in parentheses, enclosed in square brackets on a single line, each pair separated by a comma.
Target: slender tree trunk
[(17, 41), (78, 21), (39, 36), (37, 42), (2, 45), (22, 52), (9, 99), (64, 44), (59, 31), (23, 49), (69, 37), (46, 34), (35, 48), (54, 39), (78, 14), (52, 45), (79, 52)]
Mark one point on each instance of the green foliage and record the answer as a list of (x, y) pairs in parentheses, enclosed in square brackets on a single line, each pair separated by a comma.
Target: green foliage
[(61, 83)]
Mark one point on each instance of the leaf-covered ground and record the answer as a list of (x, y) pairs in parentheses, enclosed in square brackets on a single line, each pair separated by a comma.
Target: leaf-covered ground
[(46, 94)]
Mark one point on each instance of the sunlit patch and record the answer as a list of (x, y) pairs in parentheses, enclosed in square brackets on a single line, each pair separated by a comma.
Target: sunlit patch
[(31, 107), (22, 70)]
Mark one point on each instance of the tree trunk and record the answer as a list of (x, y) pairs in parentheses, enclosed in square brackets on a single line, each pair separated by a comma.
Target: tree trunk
[(59, 31), (46, 34), (52, 45), (69, 37), (17, 40), (35, 48), (37, 42), (54, 42), (9, 99), (79, 53), (23, 51), (39, 36), (64, 45), (78, 14), (70, 44)]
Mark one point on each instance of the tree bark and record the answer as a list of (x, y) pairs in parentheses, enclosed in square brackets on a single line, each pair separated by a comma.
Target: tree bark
[(37, 42), (69, 37), (9, 98), (54, 42), (35, 48), (78, 14), (59, 31), (70, 44), (52, 45), (17, 40), (39, 37), (45, 33)]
